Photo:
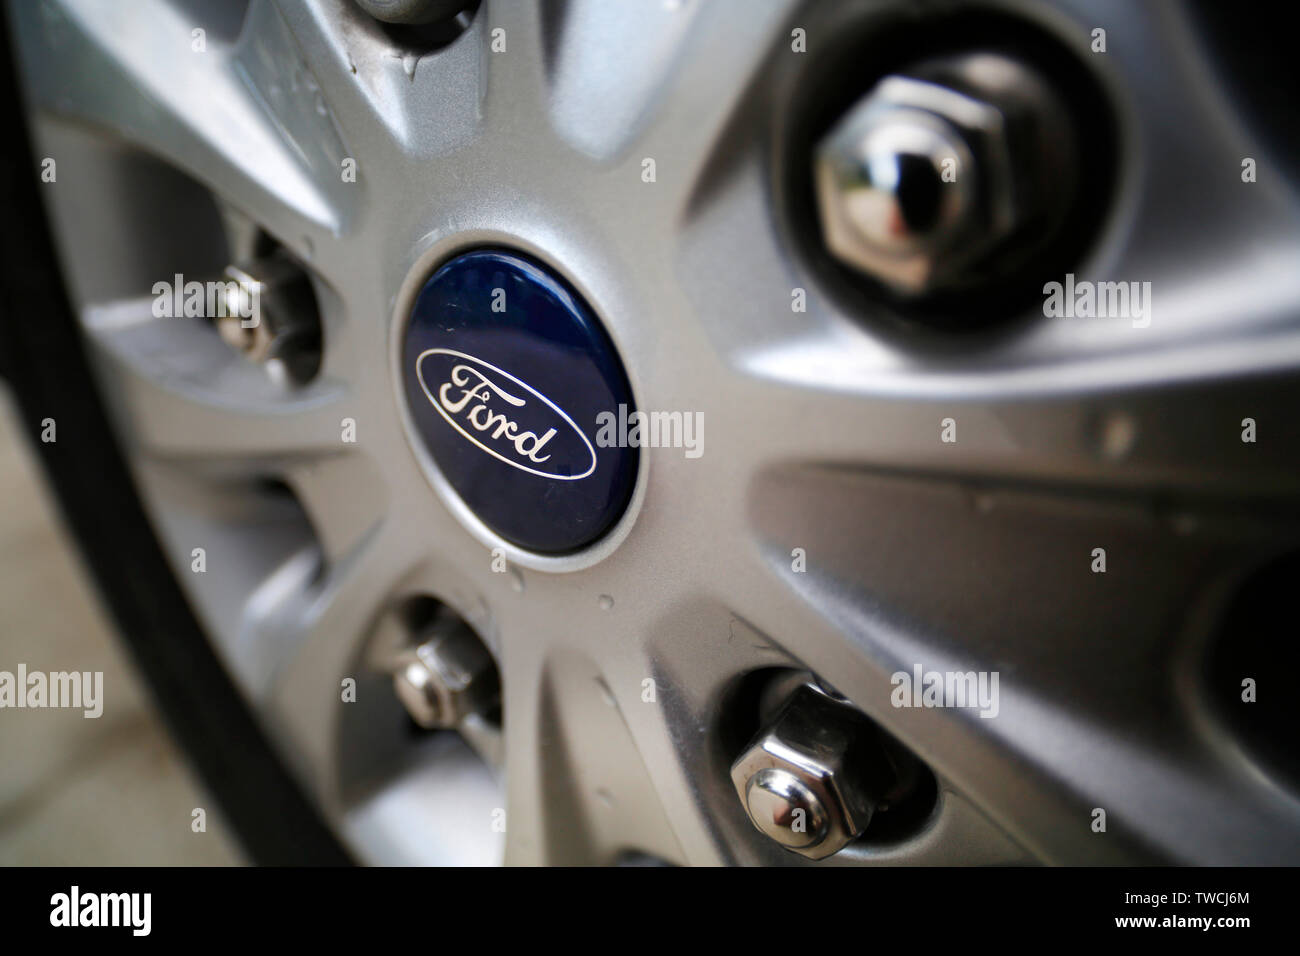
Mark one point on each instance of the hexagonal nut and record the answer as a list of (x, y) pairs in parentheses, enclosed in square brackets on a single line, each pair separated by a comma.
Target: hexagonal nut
[(801, 780), (932, 170), (240, 322), (445, 679), (269, 308)]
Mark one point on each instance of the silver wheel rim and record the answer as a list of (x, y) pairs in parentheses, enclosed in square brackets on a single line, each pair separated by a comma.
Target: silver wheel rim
[(951, 556)]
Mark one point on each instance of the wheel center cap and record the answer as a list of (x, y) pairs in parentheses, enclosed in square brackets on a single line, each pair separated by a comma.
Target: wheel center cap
[(505, 370)]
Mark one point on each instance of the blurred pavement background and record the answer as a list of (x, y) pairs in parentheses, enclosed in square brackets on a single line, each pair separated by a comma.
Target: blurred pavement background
[(78, 791)]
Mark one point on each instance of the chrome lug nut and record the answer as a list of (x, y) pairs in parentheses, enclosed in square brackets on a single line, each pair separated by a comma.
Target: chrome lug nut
[(786, 810), (809, 780), (270, 316), (937, 168), (241, 327), (447, 677)]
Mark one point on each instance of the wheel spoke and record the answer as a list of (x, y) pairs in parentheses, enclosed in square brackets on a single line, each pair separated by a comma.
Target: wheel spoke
[(315, 635), (707, 63), (1033, 428), (186, 398), (385, 95), (134, 71), (580, 743)]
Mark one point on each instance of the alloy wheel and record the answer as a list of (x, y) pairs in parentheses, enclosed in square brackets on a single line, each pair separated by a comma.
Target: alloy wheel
[(646, 156)]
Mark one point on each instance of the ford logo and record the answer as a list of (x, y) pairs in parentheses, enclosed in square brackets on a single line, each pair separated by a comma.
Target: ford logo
[(494, 410), (506, 372)]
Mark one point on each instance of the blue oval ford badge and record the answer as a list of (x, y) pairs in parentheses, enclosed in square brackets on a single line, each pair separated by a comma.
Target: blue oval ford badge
[(505, 370)]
